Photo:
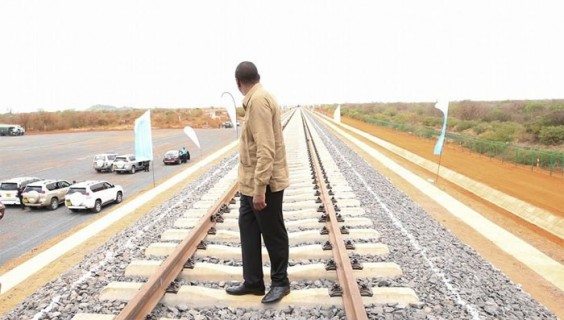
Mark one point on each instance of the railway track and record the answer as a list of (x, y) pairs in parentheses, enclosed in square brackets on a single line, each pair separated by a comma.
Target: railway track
[(332, 247), (176, 261)]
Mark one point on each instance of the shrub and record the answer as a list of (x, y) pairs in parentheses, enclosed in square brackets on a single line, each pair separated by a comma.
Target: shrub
[(551, 135), (402, 117), (464, 125), (553, 118), (390, 112), (503, 132), (480, 128), (533, 107), (432, 121), (468, 110), (497, 115), (526, 137)]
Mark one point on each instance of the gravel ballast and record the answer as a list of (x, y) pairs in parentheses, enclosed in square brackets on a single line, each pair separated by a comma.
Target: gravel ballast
[(451, 280)]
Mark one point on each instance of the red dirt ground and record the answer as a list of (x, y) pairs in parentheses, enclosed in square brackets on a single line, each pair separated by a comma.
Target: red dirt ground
[(536, 187)]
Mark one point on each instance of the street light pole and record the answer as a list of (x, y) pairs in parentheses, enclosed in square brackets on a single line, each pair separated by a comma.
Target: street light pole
[(234, 108)]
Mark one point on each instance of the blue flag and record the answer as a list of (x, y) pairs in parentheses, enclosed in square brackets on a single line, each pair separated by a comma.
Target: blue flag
[(143, 137), (443, 106)]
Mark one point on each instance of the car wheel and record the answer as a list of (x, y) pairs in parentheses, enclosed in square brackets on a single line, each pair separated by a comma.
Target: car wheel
[(98, 170), (97, 206), (119, 197), (54, 203), (132, 169)]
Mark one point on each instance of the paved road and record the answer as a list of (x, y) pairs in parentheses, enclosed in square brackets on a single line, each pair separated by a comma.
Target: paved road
[(69, 156)]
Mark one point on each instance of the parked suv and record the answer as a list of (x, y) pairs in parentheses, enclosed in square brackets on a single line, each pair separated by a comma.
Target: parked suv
[(104, 162), (9, 189), (45, 193), (92, 195), (127, 163)]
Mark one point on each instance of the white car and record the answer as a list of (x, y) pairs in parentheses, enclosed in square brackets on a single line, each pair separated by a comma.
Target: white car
[(92, 195), (9, 189)]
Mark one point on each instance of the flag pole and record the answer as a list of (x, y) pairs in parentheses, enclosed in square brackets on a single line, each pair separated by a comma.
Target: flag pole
[(153, 169), (438, 167), (440, 157)]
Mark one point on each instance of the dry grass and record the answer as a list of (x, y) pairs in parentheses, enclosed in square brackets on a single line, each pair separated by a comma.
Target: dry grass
[(116, 119)]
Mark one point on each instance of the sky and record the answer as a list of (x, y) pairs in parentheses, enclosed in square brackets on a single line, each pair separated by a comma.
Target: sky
[(62, 54)]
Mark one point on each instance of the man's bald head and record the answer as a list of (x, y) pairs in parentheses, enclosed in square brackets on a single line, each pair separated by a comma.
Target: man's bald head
[(247, 73)]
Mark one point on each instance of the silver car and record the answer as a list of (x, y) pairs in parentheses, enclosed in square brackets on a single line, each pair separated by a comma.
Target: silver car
[(45, 193), (104, 162), (127, 163)]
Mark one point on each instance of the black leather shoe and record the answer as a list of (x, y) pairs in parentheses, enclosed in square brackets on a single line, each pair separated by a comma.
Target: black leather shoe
[(276, 294), (242, 290)]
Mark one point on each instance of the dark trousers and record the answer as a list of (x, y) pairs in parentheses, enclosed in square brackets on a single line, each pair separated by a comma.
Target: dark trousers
[(270, 224)]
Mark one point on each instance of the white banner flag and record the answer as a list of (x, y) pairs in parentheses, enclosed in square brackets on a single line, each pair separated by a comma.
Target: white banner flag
[(232, 115), (192, 135), (443, 106), (231, 110), (143, 137), (337, 114)]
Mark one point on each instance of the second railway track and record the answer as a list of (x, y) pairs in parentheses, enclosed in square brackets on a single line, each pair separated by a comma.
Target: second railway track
[(332, 247)]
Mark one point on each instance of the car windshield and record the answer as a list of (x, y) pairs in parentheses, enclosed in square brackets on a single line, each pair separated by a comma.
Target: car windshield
[(111, 157), (99, 158), (77, 190), (33, 188), (172, 153), (9, 186), (121, 159)]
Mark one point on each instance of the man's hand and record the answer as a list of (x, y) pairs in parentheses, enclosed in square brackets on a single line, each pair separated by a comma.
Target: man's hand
[(259, 202)]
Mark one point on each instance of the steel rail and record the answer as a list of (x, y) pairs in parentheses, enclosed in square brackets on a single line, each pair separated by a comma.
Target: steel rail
[(352, 299), (151, 293), (141, 305)]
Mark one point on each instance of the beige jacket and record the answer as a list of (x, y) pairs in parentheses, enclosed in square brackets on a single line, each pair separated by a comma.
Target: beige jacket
[(262, 154)]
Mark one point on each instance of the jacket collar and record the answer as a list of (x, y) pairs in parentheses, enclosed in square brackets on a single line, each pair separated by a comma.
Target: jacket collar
[(250, 94)]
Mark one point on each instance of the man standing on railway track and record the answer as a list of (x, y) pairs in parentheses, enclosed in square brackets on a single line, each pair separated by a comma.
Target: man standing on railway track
[(263, 176)]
